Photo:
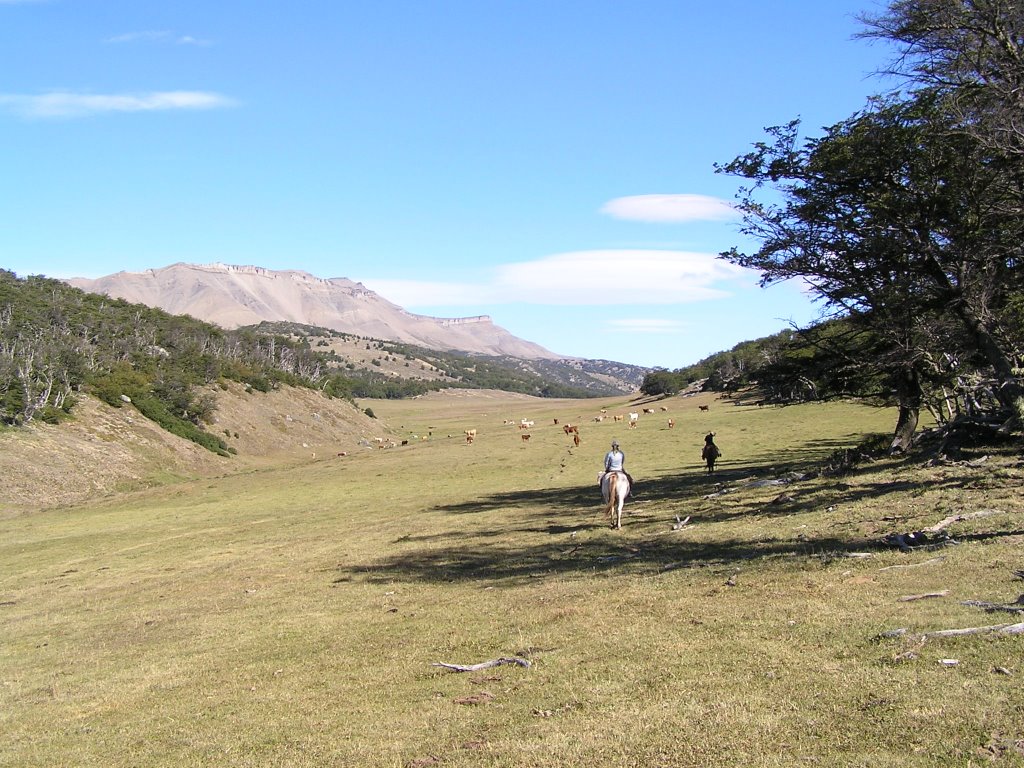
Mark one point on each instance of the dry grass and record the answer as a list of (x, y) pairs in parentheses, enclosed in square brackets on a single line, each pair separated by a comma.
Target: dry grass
[(291, 616)]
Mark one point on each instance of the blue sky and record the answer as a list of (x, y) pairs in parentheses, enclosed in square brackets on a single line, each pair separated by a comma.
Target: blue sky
[(549, 164)]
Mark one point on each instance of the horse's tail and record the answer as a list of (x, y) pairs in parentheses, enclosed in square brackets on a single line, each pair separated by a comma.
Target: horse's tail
[(613, 495)]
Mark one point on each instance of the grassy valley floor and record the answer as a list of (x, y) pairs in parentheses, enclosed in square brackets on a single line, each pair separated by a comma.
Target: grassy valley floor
[(294, 614)]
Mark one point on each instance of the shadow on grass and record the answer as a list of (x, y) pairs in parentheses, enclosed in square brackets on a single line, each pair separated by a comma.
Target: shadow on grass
[(494, 554)]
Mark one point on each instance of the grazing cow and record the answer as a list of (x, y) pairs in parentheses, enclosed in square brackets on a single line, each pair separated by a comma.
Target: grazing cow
[(470, 436), (599, 419), (663, 407), (525, 436), (576, 438), (570, 428), (671, 423), (556, 422), (648, 410), (704, 407), (618, 417), (633, 419)]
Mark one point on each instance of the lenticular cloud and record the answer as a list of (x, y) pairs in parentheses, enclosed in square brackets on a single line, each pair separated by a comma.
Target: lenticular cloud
[(618, 277), (669, 208), (51, 105)]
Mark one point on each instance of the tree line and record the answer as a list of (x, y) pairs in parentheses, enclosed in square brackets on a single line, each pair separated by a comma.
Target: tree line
[(57, 341), (906, 222)]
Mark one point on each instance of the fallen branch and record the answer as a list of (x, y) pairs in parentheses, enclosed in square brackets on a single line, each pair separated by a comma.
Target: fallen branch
[(483, 664), (995, 629), (1017, 607), (925, 596), (932, 561), (942, 524)]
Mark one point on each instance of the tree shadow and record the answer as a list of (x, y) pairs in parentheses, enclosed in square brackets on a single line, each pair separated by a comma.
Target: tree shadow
[(492, 553)]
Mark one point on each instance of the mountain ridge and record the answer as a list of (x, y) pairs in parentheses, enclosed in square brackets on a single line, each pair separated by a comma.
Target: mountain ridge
[(233, 296)]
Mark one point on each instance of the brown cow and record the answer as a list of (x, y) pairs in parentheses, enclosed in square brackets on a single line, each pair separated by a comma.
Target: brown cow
[(703, 407), (470, 436), (525, 437)]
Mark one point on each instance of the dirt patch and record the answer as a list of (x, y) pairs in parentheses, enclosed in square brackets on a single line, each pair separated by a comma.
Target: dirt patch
[(105, 450)]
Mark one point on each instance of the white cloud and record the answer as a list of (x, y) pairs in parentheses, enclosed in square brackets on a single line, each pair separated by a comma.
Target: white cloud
[(159, 36), (581, 278), (618, 277), (62, 104), (669, 208)]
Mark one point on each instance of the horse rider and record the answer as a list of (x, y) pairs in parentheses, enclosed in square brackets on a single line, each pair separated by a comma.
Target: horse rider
[(614, 461), (710, 453)]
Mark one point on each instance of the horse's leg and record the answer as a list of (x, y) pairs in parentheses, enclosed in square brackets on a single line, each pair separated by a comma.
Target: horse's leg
[(606, 492), (618, 518)]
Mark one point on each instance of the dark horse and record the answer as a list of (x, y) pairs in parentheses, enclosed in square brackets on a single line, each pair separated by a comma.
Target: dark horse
[(710, 454)]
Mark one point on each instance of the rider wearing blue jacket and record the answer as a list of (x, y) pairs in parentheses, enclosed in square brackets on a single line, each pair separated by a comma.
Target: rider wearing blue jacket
[(615, 461)]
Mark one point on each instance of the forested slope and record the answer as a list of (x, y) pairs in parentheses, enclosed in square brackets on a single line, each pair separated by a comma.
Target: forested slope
[(57, 342)]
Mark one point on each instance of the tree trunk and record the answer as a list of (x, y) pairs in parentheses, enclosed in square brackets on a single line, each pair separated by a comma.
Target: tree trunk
[(908, 390), (1010, 391)]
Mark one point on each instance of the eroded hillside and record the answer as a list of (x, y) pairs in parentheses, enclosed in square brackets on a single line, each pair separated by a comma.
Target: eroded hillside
[(104, 450)]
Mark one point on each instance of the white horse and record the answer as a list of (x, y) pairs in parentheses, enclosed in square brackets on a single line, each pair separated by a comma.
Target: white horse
[(614, 488)]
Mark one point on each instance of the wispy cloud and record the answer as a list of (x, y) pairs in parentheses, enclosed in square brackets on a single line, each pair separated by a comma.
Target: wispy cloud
[(581, 278), (155, 36), (63, 104), (669, 208)]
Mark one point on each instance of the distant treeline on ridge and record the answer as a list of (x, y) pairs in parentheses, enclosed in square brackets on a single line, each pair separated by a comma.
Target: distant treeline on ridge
[(57, 341)]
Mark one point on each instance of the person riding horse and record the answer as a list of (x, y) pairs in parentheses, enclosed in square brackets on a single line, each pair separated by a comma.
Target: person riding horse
[(614, 461), (710, 453)]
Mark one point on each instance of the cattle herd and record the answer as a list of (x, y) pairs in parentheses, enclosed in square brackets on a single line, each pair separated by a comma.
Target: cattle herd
[(632, 418)]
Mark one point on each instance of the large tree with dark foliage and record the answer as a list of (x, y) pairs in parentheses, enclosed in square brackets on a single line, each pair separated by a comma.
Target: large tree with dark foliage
[(971, 52), (897, 218)]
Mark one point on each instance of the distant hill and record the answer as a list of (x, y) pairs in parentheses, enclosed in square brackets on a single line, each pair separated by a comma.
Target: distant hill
[(236, 296), (393, 361), (58, 341)]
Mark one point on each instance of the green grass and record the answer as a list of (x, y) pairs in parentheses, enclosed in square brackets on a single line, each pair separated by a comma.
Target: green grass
[(291, 616)]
